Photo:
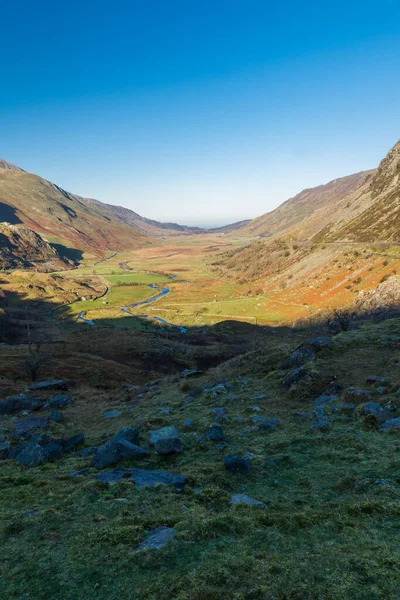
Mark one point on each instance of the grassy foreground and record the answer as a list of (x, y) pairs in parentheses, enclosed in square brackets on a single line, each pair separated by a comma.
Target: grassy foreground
[(331, 529)]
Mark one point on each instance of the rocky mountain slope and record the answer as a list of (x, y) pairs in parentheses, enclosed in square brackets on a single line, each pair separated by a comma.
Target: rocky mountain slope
[(68, 219), (303, 205), (21, 247)]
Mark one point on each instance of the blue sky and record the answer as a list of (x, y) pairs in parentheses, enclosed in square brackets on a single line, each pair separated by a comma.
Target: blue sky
[(199, 112)]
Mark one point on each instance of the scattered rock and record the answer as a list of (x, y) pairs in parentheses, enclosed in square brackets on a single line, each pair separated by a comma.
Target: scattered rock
[(299, 357), (243, 499), (303, 415), (324, 399), (375, 410), (237, 464), (390, 425), (214, 433), (268, 424), (30, 454), (166, 410), (53, 451), (126, 450), (168, 445), (14, 404), (106, 455), (382, 380), (112, 414), (190, 373), (5, 450), (294, 377), (129, 434), (320, 343), (54, 384), (57, 416), (59, 402), (72, 442), (143, 478), (357, 394), (157, 539), (164, 432), (25, 427), (188, 424), (85, 452), (322, 424), (220, 414)]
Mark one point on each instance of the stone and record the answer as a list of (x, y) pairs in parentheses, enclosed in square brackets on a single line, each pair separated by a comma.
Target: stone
[(319, 412), (72, 442), (57, 416), (299, 357), (53, 451), (14, 404), (322, 424), (293, 377), (168, 445), (164, 432), (85, 452), (375, 410), (357, 394), (214, 433), (347, 407), (324, 399), (24, 427), (390, 425), (126, 450), (220, 415), (31, 455), (112, 414), (188, 424), (5, 450), (59, 402), (53, 384), (243, 499), (164, 410), (268, 424), (143, 478), (157, 538), (234, 463), (381, 380), (190, 373), (106, 455), (255, 408), (129, 434)]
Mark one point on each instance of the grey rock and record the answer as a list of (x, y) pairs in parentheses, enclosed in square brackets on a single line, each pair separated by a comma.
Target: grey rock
[(165, 410), (106, 455), (237, 464), (190, 373), (74, 441), (54, 384), (85, 452), (268, 424), (243, 499), (129, 434), (324, 399), (53, 451), (126, 450), (25, 427), (59, 402), (14, 404), (378, 412), (214, 433), (168, 445), (390, 425), (143, 478), (57, 416), (112, 414), (319, 412), (299, 357), (357, 394), (31, 455), (220, 414), (255, 408), (293, 377), (164, 432), (381, 380), (157, 538)]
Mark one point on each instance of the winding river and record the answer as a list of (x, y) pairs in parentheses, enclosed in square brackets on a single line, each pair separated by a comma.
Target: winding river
[(126, 309)]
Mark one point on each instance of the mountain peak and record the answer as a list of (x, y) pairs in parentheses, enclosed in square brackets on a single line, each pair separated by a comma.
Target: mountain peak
[(10, 167)]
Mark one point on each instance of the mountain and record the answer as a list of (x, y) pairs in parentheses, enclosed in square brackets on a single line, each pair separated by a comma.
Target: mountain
[(69, 220), (21, 247), (303, 205)]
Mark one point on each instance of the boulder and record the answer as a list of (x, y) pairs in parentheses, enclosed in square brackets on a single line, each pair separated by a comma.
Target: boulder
[(157, 538), (220, 415), (299, 357), (57, 416), (31, 455), (243, 499), (390, 425), (85, 452), (106, 455), (377, 412), (53, 451), (168, 445), (268, 424), (357, 394), (24, 427), (112, 414), (234, 463), (59, 402), (164, 432), (143, 478), (15, 404), (324, 400), (214, 433), (5, 450), (72, 442), (126, 450), (294, 377), (129, 434)]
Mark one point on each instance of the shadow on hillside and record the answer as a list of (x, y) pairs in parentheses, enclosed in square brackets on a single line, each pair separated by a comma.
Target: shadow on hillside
[(8, 215), (70, 253)]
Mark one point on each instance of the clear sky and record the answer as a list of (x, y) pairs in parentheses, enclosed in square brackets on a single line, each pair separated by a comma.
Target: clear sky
[(198, 111)]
